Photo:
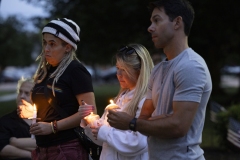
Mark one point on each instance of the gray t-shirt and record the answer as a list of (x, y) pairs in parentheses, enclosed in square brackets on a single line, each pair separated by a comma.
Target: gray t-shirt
[(184, 78)]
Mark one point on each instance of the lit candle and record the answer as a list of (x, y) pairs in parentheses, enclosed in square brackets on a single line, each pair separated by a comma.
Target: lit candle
[(34, 112), (112, 105), (92, 119)]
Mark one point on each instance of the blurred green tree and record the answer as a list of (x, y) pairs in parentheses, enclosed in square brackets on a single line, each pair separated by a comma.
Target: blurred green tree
[(16, 45), (105, 25), (215, 36)]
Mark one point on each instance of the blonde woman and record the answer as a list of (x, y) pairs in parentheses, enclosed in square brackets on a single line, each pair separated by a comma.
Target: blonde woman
[(134, 66), (61, 83)]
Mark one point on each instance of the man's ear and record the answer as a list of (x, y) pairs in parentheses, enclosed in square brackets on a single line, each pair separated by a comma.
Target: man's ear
[(68, 48), (178, 22)]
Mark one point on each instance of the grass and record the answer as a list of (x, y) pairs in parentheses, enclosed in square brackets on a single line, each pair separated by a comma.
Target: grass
[(103, 93), (231, 90), (2, 93), (7, 106), (209, 136)]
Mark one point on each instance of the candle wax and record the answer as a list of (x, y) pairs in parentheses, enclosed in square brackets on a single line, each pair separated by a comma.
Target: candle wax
[(34, 114), (112, 105), (92, 119)]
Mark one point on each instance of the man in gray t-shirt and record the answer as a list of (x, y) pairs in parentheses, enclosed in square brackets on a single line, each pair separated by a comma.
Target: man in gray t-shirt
[(179, 88)]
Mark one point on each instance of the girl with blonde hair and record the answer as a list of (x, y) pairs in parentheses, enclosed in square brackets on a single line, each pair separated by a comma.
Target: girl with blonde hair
[(61, 83), (134, 65)]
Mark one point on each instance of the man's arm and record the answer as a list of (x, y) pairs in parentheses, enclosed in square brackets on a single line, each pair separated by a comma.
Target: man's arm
[(162, 126), (121, 120), (23, 143), (147, 109), (174, 126), (12, 152)]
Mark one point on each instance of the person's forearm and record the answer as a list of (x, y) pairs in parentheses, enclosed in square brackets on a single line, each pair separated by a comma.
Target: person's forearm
[(13, 152), (161, 128), (23, 143), (174, 125), (147, 110), (69, 122)]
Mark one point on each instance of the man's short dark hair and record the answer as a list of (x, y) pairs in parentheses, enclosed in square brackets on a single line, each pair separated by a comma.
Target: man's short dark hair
[(175, 8)]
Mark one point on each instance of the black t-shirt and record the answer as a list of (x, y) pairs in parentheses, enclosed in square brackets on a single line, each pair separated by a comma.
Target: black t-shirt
[(75, 80), (12, 126)]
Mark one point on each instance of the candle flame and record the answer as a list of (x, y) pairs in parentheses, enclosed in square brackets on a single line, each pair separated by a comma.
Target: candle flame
[(111, 101), (34, 107)]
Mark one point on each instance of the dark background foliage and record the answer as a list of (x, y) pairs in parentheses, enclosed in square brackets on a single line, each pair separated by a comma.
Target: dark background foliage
[(105, 25)]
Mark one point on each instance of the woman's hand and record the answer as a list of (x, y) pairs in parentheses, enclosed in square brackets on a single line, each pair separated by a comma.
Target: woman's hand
[(25, 110), (41, 128), (85, 110), (95, 131)]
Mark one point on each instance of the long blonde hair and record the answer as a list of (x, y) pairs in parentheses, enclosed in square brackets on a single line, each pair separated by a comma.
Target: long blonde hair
[(41, 71), (139, 61)]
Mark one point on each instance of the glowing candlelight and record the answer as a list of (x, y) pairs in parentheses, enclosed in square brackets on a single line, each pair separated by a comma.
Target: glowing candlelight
[(92, 119), (112, 105)]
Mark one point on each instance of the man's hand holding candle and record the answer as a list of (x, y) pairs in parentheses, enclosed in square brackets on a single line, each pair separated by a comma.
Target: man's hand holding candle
[(41, 128), (25, 110)]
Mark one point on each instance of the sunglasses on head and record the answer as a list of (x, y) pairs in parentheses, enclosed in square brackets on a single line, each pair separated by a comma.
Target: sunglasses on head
[(126, 50)]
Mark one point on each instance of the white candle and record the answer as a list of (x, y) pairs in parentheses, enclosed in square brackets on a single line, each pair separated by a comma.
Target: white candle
[(34, 112), (92, 119), (112, 105)]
